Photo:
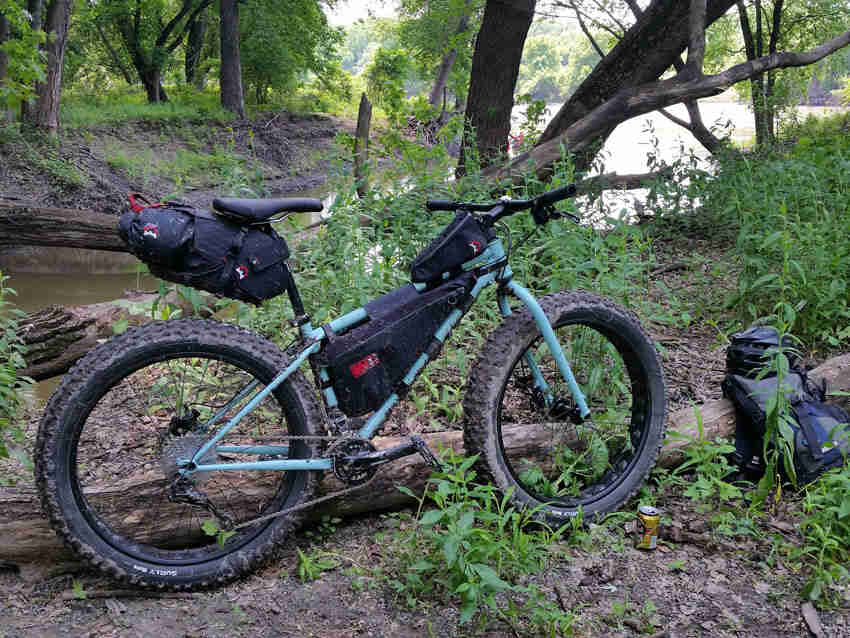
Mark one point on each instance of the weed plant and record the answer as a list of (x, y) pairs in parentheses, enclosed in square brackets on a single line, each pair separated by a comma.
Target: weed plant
[(475, 549), (12, 382), (790, 211)]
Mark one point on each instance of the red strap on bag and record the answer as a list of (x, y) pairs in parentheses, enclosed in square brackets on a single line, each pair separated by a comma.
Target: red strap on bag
[(137, 207)]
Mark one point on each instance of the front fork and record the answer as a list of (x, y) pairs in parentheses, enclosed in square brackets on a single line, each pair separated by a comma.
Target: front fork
[(545, 328)]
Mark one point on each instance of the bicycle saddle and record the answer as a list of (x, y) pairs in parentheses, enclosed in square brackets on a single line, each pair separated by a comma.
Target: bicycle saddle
[(259, 210)]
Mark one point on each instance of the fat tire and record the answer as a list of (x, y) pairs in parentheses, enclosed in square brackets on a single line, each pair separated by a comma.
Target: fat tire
[(106, 365), (492, 371)]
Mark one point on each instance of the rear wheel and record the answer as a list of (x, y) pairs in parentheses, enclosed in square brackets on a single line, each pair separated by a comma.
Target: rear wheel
[(114, 431), (525, 434)]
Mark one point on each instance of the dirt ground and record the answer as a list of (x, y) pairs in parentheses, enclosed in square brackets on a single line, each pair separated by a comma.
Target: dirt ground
[(695, 584)]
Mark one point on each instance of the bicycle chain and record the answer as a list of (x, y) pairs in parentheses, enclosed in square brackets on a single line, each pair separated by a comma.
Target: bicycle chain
[(315, 501)]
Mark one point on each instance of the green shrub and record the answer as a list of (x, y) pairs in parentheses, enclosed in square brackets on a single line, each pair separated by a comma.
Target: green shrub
[(12, 383), (790, 210)]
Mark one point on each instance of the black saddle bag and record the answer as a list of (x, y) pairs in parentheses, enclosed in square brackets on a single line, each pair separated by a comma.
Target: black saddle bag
[(200, 249), (367, 363)]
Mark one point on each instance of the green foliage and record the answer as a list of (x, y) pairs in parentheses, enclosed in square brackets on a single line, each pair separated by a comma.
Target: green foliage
[(707, 461), (790, 210), (556, 58), (26, 60), (385, 78), (280, 42), (826, 536), (211, 528), (311, 566), (12, 382), (474, 548)]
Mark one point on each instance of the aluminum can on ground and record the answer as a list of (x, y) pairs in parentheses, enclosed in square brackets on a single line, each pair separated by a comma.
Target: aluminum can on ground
[(649, 519)]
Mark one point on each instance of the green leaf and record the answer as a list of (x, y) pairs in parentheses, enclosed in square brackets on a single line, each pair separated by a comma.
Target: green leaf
[(431, 517), (489, 577), (844, 508)]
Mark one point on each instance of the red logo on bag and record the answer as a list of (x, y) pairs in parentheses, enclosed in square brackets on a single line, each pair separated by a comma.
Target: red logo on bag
[(241, 272), (476, 246), (151, 230), (364, 365)]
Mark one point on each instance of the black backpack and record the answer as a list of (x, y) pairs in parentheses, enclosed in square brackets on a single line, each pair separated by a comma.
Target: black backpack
[(821, 430)]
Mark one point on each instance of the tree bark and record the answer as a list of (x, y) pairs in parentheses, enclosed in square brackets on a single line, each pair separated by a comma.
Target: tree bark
[(28, 539), (26, 223), (361, 146), (194, 48), (47, 105), (495, 66), (633, 101), (645, 52), (56, 337), (446, 65), (36, 9), (232, 97)]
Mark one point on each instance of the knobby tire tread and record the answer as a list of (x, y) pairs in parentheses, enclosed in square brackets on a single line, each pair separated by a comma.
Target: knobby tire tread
[(76, 384), (489, 375)]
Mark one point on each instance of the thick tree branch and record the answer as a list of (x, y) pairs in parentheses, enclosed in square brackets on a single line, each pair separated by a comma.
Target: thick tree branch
[(696, 46), (631, 102)]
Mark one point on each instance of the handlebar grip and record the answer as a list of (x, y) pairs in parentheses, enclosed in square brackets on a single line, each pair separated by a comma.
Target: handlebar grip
[(440, 204), (557, 195)]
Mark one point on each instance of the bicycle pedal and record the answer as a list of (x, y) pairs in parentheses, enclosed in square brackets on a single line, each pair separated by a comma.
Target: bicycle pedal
[(426, 453)]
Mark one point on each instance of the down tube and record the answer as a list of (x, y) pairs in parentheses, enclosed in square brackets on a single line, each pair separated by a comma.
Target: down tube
[(552, 342)]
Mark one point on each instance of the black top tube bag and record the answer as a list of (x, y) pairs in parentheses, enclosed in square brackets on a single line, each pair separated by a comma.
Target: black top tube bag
[(198, 248), (463, 239)]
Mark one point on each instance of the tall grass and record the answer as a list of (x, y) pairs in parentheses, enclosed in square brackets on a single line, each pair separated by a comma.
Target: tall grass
[(789, 210)]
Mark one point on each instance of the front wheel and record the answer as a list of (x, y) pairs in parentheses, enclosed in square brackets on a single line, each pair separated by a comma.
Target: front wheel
[(518, 409), (115, 431)]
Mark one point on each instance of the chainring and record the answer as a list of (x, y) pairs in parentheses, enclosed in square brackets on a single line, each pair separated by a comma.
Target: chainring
[(346, 471)]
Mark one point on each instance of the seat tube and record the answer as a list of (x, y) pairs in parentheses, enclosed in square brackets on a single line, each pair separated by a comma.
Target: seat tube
[(551, 340)]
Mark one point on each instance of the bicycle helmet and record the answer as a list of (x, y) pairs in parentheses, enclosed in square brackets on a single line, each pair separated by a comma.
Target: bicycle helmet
[(746, 354)]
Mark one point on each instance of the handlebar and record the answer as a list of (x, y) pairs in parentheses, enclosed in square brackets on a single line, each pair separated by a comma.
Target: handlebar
[(506, 206)]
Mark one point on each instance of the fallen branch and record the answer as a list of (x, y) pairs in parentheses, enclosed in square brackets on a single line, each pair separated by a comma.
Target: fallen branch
[(27, 537)]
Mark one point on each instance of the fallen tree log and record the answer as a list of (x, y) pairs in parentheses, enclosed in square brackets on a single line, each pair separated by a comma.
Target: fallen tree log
[(27, 223), (57, 336), (26, 537)]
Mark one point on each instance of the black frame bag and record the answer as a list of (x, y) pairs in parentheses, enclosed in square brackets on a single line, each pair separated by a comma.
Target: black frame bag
[(200, 249), (367, 363)]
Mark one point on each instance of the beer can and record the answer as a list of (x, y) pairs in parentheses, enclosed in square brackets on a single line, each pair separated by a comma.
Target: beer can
[(649, 519)]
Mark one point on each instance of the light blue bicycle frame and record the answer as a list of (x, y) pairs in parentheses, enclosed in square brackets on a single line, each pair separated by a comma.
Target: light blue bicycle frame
[(493, 255)]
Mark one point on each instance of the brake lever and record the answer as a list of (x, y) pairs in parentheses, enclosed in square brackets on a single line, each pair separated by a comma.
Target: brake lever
[(559, 214)]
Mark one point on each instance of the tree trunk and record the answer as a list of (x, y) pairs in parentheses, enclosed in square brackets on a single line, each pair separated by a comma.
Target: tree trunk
[(27, 223), (446, 65), (361, 146), (152, 81), (36, 9), (495, 66), (645, 52), (231, 65), (46, 114), (194, 48), (56, 337), (28, 539)]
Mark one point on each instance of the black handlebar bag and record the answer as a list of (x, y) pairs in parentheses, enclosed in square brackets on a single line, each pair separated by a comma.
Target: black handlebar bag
[(197, 248)]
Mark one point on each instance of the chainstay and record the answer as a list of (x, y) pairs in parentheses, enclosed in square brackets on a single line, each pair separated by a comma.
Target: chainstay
[(315, 501)]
